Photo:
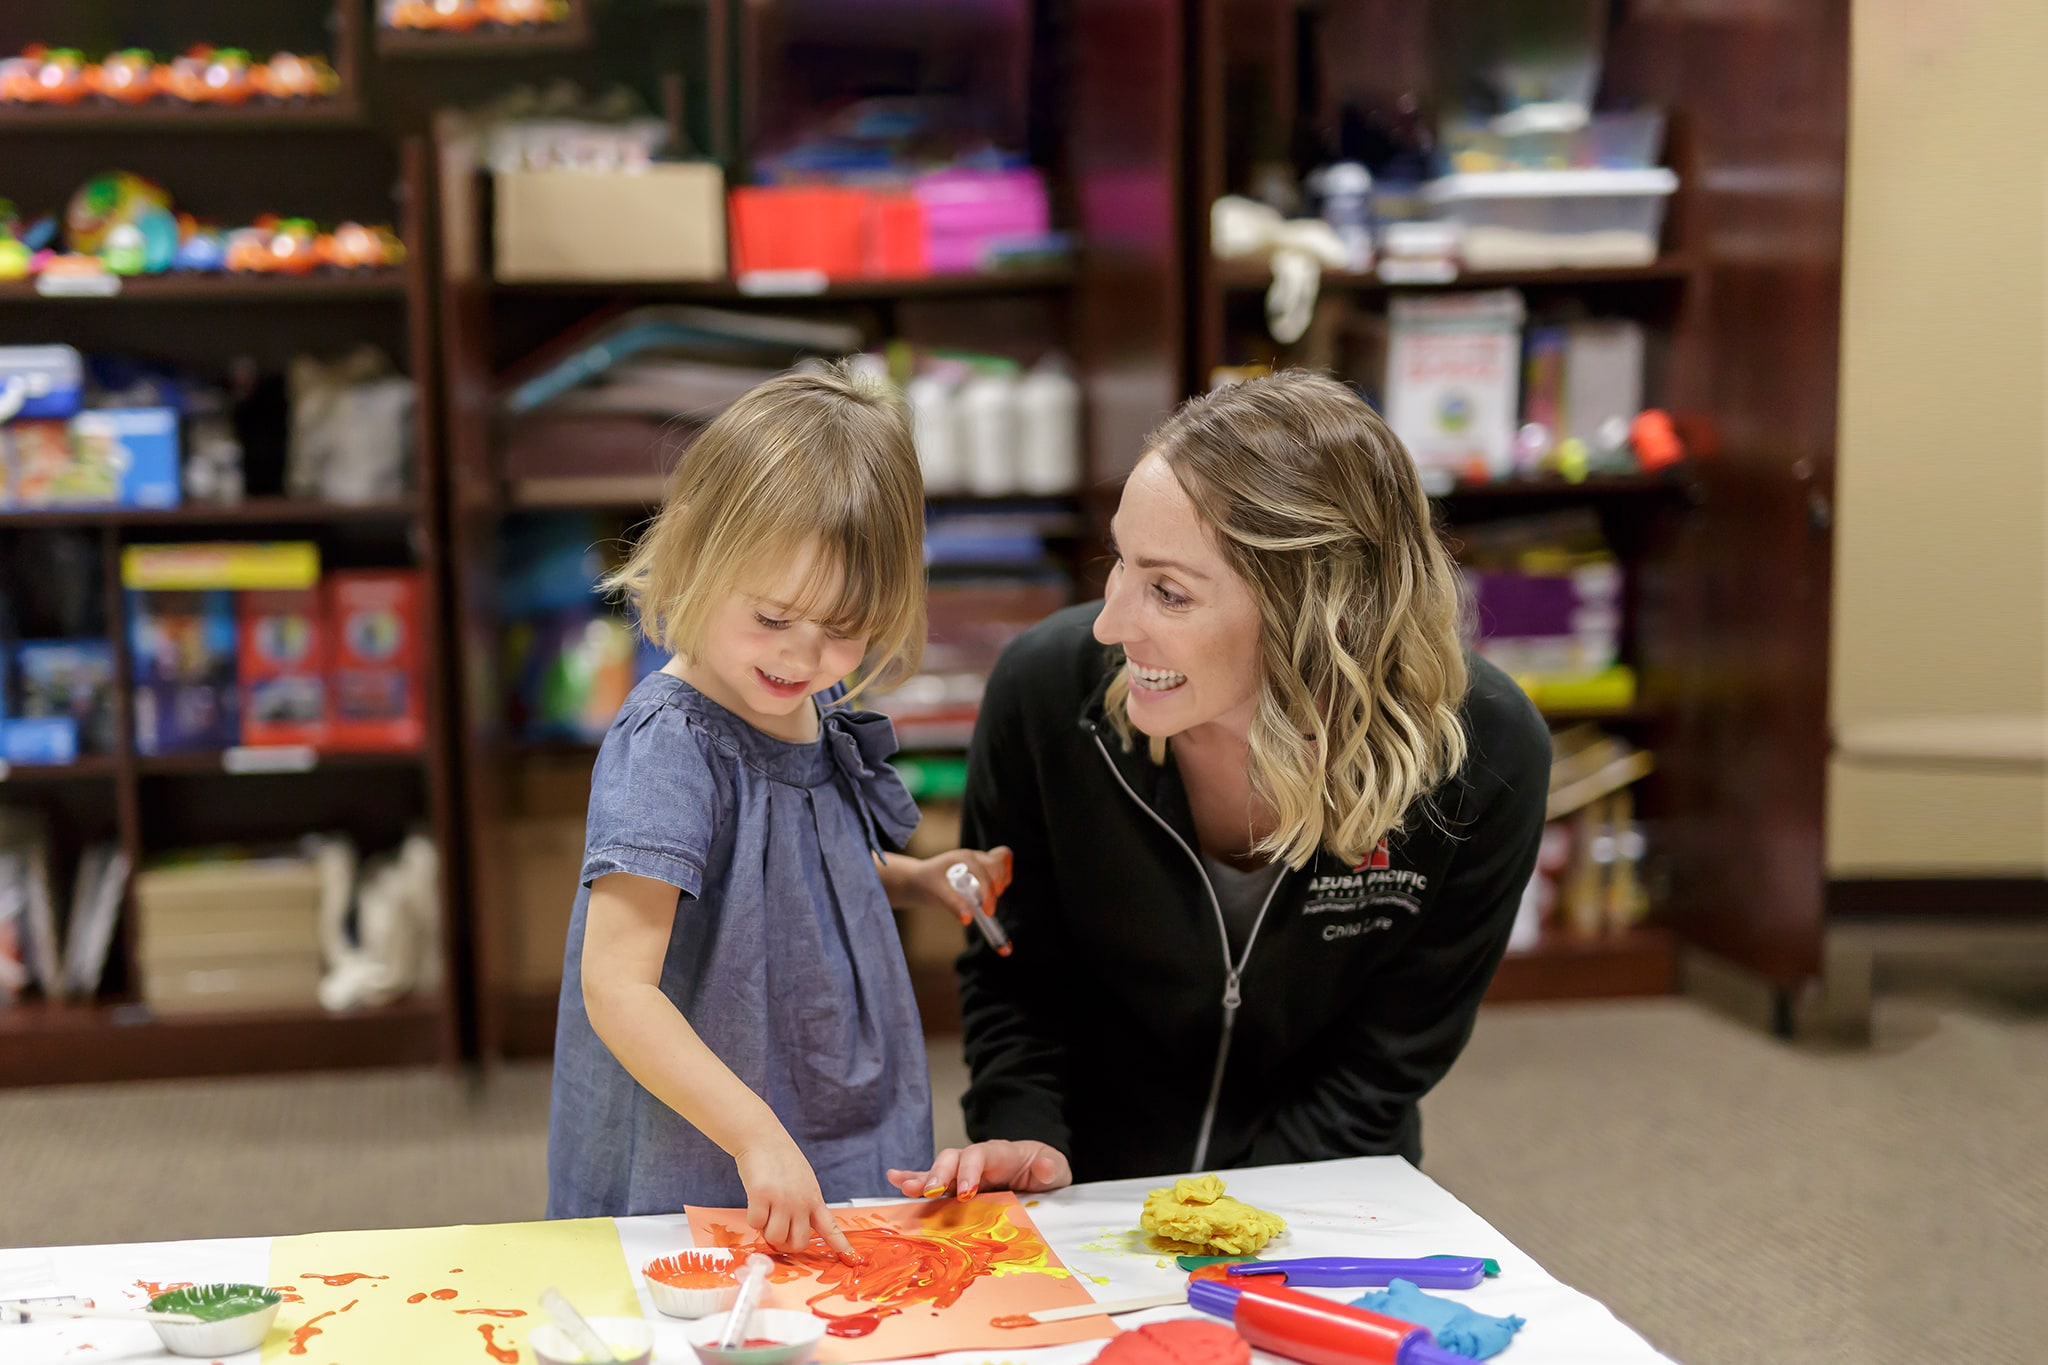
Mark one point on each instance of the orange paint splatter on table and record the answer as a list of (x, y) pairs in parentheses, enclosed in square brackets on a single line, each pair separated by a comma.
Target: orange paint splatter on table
[(337, 1281), (151, 1288), (350, 1304), (491, 1312), (306, 1333), (417, 1298), (954, 1246), (443, 1294), (506, 1355)]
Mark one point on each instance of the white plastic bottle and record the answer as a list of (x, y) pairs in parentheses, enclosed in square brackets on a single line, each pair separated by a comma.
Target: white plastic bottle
[(933, 399), (988, 426), (1049, 429)]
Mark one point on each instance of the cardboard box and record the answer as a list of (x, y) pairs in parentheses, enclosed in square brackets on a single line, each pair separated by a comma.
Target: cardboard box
[(544, 858), (118, 457), (665, 222), (221, 987), (283, 668), (375, 698)]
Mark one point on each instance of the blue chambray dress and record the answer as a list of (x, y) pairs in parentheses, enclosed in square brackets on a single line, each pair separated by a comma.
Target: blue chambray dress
[(784, 956)]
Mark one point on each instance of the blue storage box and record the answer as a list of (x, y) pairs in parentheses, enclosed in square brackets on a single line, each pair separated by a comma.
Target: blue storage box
[(49, 739), (139, 446)]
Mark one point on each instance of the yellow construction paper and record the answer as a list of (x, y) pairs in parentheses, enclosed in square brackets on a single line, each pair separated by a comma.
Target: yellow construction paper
[(453, 1296)]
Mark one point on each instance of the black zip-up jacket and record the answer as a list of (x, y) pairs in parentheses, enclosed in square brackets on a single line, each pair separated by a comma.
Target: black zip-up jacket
[(1119, 1032)]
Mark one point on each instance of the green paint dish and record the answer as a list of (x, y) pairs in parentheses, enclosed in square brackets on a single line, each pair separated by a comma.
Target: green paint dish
[(234, 1317), (216, 1302)]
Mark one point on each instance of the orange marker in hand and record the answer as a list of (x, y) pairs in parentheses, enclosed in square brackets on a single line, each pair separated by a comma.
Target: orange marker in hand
[(969, 885)]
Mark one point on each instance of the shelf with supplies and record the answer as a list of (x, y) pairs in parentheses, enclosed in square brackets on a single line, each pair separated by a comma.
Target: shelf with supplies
[(43, 1043), (795, 291), (195, 287), (1640, 961), (1239, 276), (196, 668), (248, 512)]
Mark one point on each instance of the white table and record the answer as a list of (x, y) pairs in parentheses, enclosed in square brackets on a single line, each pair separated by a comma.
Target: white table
[(1369, 1206)]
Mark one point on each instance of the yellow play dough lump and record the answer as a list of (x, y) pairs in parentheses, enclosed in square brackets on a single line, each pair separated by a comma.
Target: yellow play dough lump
[(1199, 1215)]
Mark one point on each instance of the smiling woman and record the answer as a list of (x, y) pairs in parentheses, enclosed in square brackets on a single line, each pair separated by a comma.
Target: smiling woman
[(1271, 821)]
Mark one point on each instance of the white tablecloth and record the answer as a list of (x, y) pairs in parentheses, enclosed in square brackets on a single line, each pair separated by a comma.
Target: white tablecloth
[(1370, 1206)]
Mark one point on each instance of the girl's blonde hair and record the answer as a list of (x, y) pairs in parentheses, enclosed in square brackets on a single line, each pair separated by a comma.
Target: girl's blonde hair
[(1317, 506), (818, 458)]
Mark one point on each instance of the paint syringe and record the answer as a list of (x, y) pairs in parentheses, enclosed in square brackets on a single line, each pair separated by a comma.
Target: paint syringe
[(962, 880)]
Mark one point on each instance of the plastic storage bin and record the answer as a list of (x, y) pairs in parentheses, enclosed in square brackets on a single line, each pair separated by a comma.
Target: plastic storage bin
[(1536, 220), (1626, 141)]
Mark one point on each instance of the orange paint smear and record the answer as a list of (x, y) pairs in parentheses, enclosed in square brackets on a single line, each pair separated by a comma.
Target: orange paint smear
[(1014, 1320), (505, 1355), (490, 1312), (692, 1270), (957, 1245), (417, 1298), (350, 1304), (151, 1288), (307, 1333), (337, 1281), (443, 1294)]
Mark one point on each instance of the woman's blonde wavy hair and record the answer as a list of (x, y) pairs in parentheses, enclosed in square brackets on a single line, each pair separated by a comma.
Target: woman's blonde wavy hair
[(1317, 506), (818, 457)]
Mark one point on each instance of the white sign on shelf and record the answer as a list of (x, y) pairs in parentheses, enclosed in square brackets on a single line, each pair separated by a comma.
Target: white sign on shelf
[(78, 284), (269, 758)]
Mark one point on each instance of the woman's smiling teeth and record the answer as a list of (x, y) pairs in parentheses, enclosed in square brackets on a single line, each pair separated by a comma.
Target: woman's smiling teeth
[(1154, 679)]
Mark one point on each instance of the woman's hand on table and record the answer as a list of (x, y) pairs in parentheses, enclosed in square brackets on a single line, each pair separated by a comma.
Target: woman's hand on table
[(920, 883), (1026, 1167)]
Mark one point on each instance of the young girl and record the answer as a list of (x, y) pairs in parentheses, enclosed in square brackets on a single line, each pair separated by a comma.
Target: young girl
[(736, 1022)]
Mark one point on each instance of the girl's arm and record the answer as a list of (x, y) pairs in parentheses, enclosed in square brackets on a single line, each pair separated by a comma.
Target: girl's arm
[(625, 940), (913, 882)]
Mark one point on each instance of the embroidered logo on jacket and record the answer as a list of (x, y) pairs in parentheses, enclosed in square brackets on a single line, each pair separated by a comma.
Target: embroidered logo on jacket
[(1375, 884)]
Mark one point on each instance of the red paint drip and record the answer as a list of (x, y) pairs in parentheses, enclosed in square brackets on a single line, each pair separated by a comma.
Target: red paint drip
[(505, 1355), (337, 1281), (855, 1324), (444, 1294), (307, 1333), (417, 1298), (491, 1312)]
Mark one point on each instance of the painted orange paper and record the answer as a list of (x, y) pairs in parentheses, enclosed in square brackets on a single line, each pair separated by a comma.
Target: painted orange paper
[(454, 1296), (936, 1275)]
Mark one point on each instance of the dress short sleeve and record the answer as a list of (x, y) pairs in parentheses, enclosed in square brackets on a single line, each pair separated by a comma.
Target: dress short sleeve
[(654, 800)]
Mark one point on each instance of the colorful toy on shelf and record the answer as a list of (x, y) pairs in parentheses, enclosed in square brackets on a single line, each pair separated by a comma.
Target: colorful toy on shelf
[(355, 247), (105, 200), (15, 258), (225, 76), (437, 16), (44, 75), (200, 249), (125, 77), (460, 16), (287, 76)]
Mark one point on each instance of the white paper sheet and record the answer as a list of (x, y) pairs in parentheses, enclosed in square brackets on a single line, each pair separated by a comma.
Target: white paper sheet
[(1370, 1206)]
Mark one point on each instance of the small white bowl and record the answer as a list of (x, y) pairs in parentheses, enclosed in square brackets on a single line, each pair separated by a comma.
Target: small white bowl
[(676, 1301), (631, 1340), (796, 1337), (221, 1336)]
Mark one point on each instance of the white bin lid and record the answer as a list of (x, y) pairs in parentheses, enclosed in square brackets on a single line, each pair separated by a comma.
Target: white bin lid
[(1553, 184)]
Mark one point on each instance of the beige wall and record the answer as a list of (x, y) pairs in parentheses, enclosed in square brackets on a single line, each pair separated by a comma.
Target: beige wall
[(1939, 693)]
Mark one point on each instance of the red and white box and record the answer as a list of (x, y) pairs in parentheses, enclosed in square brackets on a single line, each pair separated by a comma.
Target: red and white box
[(375, 683)]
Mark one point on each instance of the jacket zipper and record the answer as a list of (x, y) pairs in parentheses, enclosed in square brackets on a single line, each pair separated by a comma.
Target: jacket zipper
[(1233, 974)]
